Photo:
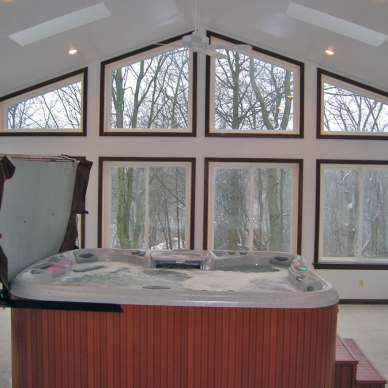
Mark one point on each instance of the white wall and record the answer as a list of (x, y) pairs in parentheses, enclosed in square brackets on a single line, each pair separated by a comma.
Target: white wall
[(309, 149)]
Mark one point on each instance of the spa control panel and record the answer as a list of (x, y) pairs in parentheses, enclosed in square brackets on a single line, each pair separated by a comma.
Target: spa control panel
[(301, 277)]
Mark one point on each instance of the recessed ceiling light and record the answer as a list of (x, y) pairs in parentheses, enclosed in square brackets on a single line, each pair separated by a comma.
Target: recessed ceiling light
[(335, 24), (72, 51), (61, 24), (329, 52)]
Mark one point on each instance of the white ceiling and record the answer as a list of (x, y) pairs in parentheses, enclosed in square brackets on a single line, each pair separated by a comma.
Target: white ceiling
[(262, 23)]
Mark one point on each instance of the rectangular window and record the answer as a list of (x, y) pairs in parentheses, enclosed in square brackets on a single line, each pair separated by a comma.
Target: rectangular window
[(349, 109), (353, 213), (253, 205), (56, 107), (253, 93), (149, 92), (146, 203)]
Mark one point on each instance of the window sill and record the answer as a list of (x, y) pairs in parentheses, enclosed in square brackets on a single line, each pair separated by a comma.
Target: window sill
[(353, 265)]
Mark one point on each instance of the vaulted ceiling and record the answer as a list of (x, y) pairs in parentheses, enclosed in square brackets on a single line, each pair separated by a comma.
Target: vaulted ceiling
[(343, 25)]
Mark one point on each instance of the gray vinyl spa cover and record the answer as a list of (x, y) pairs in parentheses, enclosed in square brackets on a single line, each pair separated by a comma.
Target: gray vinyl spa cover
[(39, 200)]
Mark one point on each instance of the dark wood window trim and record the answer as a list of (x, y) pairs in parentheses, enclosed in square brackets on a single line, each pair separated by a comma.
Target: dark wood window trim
[(83, 132), (190, 212), (333, 265), (208, 133), (208, 161), (338, 136), (193, 74)]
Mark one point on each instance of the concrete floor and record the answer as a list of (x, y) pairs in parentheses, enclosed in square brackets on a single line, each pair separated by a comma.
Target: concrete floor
[(367, 324)]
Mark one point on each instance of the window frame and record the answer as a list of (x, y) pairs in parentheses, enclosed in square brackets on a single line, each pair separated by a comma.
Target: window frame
[(340, 263), (266, 55), (39, 89), (104, 195), (133, 57), (208, 232), (352, 86)]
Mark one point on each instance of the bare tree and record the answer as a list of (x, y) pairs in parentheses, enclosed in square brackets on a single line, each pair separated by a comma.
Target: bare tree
[(346, 111), (252, 94), (58, 109)]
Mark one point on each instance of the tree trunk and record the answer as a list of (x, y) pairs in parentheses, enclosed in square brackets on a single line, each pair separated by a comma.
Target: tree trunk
[(125, 185), (274, 212), (350, 230), (233, 210)]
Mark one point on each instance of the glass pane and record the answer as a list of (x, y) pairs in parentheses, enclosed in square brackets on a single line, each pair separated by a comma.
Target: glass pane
[(58, 109), (251, 94), (232, 208), (272, 209), (375, 214), (167, 207), (346, 111), (340, 212), (127, 207), (152, 93)]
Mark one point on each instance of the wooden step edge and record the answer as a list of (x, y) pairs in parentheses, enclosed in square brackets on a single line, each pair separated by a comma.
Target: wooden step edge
[(364, 363), (343, 354)]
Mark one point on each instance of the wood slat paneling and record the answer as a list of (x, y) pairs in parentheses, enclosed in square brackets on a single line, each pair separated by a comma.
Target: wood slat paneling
[(160, 346)]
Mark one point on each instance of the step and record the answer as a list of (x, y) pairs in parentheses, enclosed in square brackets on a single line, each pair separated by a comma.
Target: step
[(345, 366), (367, 376)]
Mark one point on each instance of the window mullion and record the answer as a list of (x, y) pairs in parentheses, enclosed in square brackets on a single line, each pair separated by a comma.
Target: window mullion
[(360, 232), (188, 203), (212, 208), (146, 213), (252, 208)]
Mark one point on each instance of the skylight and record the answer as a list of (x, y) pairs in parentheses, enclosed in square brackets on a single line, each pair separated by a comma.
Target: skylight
[(335, 24), (61, 24)]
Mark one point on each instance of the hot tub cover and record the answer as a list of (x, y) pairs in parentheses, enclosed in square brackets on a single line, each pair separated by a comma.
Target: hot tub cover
[(38, 209)]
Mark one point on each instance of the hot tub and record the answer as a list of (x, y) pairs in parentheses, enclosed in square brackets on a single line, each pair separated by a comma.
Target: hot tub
[(176, 278), (187, 318), (190, 319)]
